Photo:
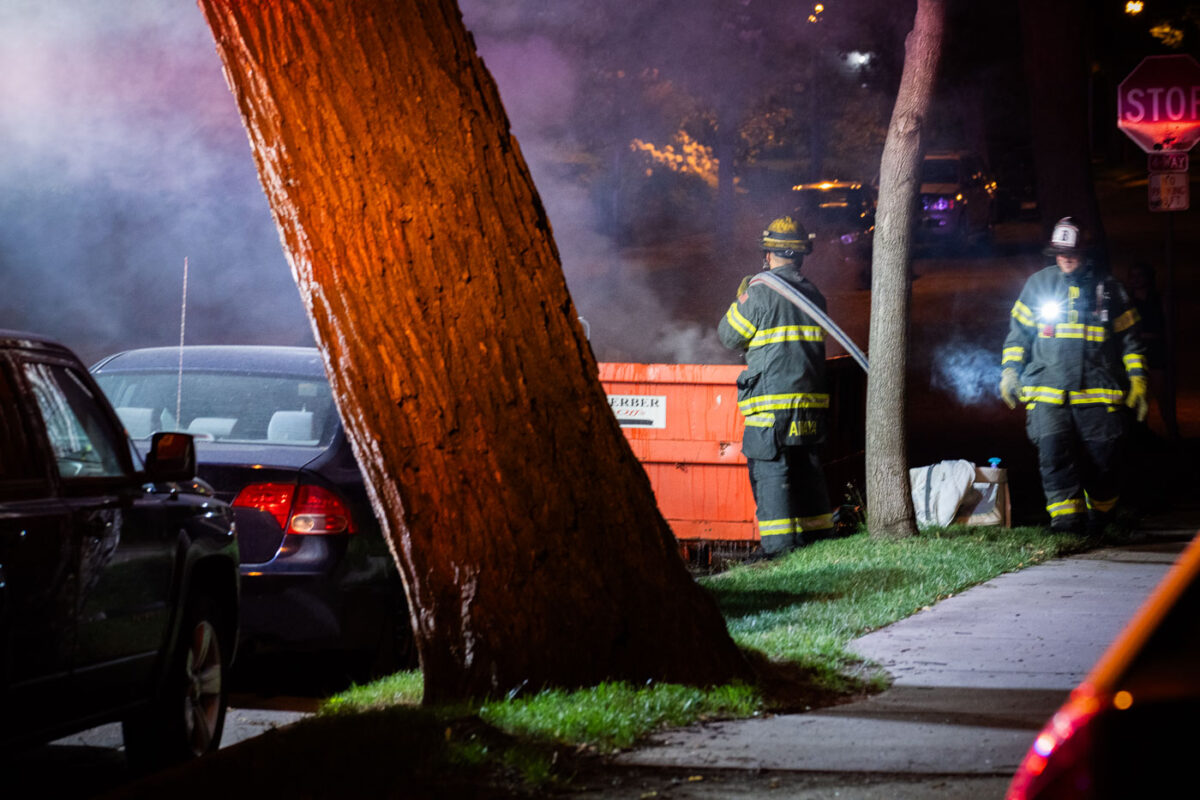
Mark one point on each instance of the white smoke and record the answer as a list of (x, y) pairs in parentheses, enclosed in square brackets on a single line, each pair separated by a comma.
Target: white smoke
[(970, 374), (124, 155), (629, 318)]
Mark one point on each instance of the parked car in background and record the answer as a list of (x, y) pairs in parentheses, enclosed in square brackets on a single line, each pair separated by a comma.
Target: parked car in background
[(1123, 731), (317, 576), (118, 578), (842, 215), (957, 199)]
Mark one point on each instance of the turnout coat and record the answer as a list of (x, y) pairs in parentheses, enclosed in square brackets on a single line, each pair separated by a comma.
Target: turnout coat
[(1073, 339), (783, 393)]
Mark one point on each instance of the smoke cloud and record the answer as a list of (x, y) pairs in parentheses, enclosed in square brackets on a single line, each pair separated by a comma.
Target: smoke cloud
[(968, 373), (125, 154)]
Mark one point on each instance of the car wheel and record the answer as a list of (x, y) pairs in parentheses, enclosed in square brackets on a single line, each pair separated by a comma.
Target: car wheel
[(187, 717)]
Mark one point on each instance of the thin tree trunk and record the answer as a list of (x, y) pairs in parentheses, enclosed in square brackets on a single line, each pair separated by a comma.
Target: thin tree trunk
[(530, 543), (889, 501)]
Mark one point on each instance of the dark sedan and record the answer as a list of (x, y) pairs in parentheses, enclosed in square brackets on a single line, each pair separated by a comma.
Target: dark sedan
[(118, 579), (317, 576)]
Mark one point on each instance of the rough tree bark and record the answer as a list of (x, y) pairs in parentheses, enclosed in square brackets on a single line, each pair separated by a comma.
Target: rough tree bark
[(889, 501), (530, 543)]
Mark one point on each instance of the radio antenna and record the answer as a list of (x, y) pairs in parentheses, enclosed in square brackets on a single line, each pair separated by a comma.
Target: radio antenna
[(182, 328)]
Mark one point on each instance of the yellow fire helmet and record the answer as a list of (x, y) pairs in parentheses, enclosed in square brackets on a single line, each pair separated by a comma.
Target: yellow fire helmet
[(787, 237)]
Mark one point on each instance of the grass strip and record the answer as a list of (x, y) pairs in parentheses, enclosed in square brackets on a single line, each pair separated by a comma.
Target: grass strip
[(800, 611), (806, 608)]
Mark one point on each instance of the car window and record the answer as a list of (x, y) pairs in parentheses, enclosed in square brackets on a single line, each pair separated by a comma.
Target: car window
[(81, 440), (19, 470), (224, 406), (939, 170)]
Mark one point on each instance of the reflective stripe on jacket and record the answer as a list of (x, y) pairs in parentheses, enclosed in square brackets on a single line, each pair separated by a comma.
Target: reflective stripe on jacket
[(1071, 337), (783, 392)]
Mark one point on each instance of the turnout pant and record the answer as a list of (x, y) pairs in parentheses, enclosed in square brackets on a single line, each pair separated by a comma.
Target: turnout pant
[(1079, 456), (792, 499)]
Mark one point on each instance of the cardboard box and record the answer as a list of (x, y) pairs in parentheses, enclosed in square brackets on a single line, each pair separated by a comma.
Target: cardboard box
[(987, 502)]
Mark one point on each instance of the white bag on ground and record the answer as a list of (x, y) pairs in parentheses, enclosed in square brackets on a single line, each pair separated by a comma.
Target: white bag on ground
[(938, 490)]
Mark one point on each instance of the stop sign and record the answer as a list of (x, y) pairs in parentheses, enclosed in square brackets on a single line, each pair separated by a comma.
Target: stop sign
[(1158, 103)]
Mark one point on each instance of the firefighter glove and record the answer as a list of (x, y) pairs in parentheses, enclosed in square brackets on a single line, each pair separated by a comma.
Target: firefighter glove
[(1137, 399), (1010, 387)]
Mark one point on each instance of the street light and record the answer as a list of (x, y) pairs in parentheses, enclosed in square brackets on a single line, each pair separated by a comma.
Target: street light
[(857, 60), (1133, 7)]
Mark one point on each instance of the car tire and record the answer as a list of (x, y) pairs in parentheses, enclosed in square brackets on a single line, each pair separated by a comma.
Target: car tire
[(187, 717)]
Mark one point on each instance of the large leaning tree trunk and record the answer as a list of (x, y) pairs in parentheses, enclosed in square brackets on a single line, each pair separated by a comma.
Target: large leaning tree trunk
[(527, 534), (889, 502)]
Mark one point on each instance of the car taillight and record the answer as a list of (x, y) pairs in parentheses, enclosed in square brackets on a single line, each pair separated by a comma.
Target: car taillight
[(1057, 765), (303, 509), (274, 498), (319, 510)]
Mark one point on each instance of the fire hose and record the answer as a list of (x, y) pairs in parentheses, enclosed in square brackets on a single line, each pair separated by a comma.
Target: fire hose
[(793, 296)]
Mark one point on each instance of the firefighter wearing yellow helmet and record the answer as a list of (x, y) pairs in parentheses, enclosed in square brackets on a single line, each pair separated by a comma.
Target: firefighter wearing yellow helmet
[(783, 395), (1073, 356)]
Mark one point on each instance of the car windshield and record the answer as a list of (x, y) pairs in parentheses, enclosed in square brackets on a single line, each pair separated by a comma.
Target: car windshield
[(224, 406), (939, 170), (831, 208)]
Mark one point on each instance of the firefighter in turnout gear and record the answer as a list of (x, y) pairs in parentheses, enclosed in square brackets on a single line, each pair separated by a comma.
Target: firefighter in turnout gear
[(1073, 356), (783, 395)]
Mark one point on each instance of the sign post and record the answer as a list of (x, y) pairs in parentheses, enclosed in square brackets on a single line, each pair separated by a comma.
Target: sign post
[(1158, 107)]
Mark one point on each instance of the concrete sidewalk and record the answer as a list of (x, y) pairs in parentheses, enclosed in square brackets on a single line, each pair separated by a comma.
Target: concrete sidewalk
[(975, 678)]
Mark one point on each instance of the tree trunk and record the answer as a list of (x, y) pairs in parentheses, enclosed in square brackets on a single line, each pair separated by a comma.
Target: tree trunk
[(1057, 74), (889, 501), (531, 546)]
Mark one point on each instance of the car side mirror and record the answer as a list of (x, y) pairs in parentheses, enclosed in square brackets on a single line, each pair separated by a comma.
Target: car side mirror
[(172, 457)]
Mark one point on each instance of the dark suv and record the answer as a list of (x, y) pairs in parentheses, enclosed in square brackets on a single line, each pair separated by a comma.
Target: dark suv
[(957, 199), (118, 579)]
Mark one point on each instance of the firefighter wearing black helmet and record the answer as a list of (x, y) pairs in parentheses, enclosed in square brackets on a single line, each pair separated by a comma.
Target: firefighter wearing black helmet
[(783, 395), (1072, 349)]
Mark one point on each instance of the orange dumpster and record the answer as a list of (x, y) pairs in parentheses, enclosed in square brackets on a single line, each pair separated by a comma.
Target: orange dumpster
[(683, 424)]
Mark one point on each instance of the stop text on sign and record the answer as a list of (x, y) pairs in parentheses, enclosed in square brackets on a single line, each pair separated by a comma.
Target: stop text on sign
[(1161, 104), (1158, 104)]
